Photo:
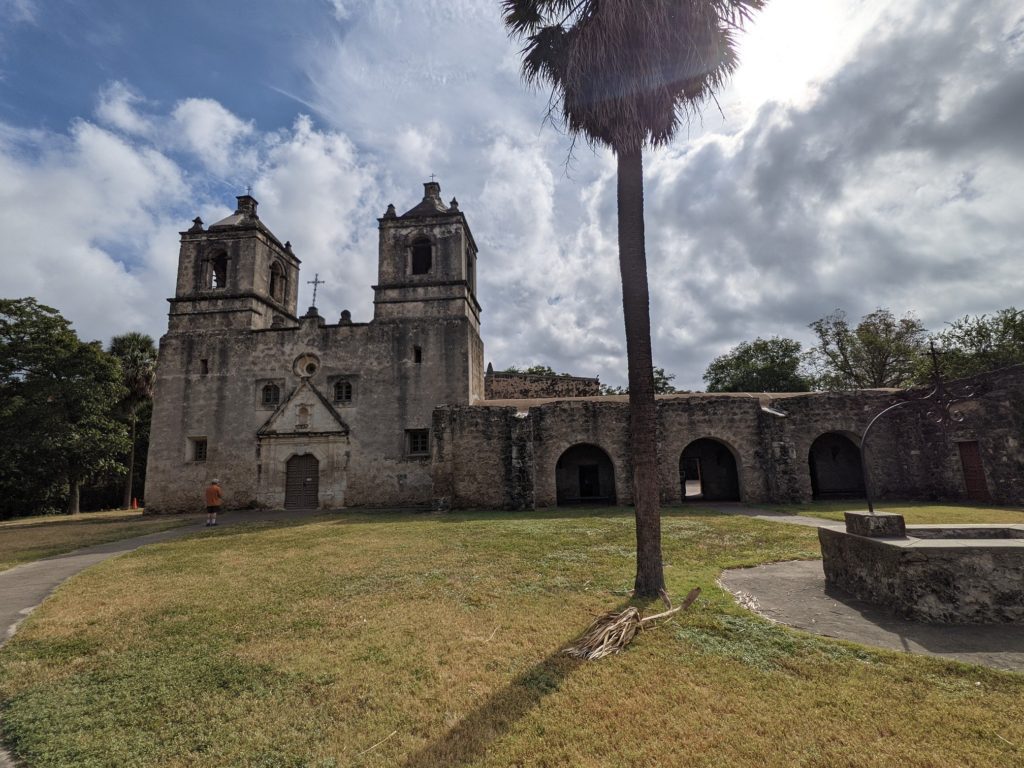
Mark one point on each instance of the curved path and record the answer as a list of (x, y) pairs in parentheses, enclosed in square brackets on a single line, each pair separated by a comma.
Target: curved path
[(795, 594), (24, 587)]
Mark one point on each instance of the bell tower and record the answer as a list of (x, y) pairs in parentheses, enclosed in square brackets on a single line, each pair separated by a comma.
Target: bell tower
[(235, 274), (427, 262)]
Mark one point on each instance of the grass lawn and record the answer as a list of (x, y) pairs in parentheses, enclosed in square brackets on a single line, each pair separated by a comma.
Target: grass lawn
[(32, 538), (434, 640), (914, 513)]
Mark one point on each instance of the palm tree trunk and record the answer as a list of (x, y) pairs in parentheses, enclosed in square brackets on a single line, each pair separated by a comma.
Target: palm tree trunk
[(73, 497), (126, 500), (643, 420)]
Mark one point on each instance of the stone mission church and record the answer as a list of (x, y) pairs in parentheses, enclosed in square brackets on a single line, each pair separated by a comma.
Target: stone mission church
[(290, 411)]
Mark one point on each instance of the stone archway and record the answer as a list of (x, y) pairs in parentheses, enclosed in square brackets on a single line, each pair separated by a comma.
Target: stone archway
[(302, 482), (584, 474), (835, 465), (708, 471)]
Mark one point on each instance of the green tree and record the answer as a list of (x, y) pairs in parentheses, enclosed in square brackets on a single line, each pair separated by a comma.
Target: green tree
[(761, 365), (982, 343), (57, 402), (136, 354), (662, 385), (881, 351), (624, 75)]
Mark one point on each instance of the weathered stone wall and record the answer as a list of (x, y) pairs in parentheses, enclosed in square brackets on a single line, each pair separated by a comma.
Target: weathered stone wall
[(770, 438), (421, 350), (391, 393), (515, 386)]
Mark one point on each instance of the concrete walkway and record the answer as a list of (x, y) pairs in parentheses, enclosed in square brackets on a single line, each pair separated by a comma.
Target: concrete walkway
[(24, 587), (795, 594)]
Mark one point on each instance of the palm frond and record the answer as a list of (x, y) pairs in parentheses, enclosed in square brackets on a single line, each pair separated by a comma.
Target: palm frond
[(627, 73)]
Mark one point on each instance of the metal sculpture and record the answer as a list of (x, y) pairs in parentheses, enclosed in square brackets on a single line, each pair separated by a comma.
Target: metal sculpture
[(940, 401)]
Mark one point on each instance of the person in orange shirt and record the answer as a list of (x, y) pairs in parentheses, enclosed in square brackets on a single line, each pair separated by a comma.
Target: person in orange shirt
[(213, 501)]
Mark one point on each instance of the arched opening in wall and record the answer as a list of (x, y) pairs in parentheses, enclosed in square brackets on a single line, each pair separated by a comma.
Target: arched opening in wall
[(219, 271), (422, 256), (302, 482), (584, 474), (836, 470), (707, 471), (277, 283)]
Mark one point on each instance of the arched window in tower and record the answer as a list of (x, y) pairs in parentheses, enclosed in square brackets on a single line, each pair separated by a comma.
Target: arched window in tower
[(277, 283), (219, 271), (469, 270), (422, 256)]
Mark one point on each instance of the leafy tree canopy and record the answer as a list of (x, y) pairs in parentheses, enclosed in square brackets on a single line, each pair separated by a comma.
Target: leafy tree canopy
[(761, 365), (57, 400), (973, 345), (535, 370), (662, 385), (880, 351)]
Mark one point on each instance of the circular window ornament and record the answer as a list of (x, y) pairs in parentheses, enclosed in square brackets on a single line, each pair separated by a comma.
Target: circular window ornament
[(306, 365)]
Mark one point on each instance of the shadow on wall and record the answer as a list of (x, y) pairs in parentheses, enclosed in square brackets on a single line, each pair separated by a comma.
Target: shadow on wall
[(836, 469), (708, 471), (585, 474)]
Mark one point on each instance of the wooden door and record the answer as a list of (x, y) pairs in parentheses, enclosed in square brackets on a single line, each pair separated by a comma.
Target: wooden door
[(302, 482), (974, 472)]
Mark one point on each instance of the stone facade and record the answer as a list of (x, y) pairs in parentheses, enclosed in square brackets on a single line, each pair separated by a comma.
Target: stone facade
[(766, 448), (510, 385), (244, 386), (296, 411)]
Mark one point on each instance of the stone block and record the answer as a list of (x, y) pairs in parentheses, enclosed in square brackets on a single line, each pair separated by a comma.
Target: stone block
[(879, 525)]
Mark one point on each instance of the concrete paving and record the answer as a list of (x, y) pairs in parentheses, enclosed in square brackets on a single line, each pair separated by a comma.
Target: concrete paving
[(795, 594), (24, 587)]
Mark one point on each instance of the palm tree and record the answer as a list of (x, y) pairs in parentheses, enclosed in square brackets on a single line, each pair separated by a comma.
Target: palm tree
[(625, 74), (137, 355)]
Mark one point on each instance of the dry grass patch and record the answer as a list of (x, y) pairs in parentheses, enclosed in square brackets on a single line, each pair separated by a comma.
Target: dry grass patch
[(915, 513), (422, 640), (32, 538)]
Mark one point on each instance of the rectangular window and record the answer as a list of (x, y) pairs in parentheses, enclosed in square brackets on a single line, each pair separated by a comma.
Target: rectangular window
[(204, 366), (343, 392), (417, 442), (417, 355), (198, 448)]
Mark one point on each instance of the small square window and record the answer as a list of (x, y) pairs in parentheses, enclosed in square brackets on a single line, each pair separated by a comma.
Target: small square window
[(271, 394), (198, 449), (343, 392), (417, 442)]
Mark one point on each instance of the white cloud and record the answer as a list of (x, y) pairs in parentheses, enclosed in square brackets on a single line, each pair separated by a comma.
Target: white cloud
[(92, 216), (870, 156), (19, 11), (216, 136), (116, 107)]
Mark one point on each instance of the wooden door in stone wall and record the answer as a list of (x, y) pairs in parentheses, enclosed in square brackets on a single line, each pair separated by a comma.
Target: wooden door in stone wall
[(974, 472), (302, 482)]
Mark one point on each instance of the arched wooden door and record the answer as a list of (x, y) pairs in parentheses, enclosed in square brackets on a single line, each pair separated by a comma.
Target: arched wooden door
[(302, 482)]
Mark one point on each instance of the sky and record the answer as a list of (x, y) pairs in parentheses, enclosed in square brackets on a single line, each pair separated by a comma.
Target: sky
[(866, 154)]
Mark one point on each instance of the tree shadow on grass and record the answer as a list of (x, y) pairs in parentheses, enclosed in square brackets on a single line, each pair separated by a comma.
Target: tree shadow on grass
[(469, 739)]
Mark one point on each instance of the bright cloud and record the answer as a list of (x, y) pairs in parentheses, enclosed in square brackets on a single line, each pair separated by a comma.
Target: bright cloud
[(869, 155)]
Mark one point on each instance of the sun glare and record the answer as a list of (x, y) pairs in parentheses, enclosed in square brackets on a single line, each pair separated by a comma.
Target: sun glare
[(792, 45)]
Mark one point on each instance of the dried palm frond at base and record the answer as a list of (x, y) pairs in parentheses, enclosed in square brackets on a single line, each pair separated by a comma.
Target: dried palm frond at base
[(613, 631)]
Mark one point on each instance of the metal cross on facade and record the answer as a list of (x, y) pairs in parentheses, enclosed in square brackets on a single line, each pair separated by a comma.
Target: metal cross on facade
[(432, 177), (248, 189), (316, 282)]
